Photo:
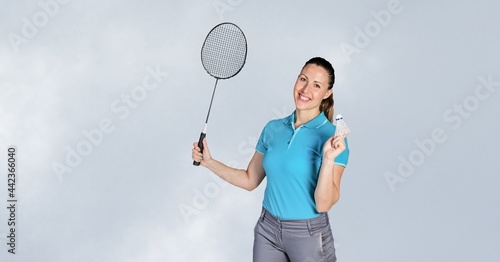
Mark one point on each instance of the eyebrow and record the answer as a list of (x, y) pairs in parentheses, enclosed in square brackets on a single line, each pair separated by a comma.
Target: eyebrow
[(316, 81)]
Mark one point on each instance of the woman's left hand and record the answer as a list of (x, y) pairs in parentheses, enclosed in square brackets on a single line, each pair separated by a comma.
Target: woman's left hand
[(333, 147)]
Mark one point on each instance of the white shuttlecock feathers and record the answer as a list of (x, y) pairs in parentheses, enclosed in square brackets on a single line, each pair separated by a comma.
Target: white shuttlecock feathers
[(342, 129)]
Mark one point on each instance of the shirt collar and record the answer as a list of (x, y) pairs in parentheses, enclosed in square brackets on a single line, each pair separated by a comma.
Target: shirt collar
[(316, 122)]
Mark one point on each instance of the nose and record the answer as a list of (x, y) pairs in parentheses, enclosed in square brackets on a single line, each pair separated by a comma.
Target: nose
[(305, 88)]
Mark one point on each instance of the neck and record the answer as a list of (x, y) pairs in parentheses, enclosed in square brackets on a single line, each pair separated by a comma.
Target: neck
[(304, 116)]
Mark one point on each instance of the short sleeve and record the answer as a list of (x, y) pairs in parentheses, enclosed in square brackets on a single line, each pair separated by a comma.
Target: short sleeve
[(261, 144), (343, 158)]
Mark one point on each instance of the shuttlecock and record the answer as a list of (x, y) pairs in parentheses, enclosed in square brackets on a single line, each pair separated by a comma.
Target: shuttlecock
[(342, 129)]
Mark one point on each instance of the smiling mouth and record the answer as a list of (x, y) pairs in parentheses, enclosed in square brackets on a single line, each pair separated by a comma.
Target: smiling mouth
[(303, 98)]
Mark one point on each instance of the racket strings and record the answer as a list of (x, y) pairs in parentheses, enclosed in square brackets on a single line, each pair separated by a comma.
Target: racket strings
[(224, 51)]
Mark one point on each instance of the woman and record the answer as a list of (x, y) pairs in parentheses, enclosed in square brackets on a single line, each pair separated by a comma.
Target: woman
[(303, 163)]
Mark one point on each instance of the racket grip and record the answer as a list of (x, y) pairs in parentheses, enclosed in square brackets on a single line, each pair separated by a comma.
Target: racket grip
[(200, 144)]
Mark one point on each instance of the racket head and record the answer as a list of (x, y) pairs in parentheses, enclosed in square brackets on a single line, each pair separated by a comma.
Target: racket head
[(224, 51)]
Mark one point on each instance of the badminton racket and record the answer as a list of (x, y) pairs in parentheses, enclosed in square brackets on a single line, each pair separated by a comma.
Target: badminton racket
[(223, 55)]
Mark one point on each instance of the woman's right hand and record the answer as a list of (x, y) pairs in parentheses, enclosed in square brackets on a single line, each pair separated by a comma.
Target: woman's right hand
[(201, 157), (247, 179)]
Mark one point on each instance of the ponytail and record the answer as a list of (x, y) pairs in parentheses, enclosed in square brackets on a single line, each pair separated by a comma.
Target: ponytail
[(326, 107)]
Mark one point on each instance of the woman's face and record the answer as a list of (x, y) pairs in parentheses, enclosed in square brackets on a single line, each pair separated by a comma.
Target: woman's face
[(311, 88)]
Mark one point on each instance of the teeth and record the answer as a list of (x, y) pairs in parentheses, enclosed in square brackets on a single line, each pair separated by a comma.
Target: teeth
[(304, 98)]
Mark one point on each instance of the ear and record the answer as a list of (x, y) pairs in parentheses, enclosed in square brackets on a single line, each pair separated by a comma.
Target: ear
[(327, 94)]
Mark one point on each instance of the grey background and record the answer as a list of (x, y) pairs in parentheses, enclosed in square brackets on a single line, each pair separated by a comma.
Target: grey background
[(124, 201)]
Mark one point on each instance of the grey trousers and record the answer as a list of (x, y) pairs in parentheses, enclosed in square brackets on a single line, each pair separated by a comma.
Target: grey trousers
[(293, 240)]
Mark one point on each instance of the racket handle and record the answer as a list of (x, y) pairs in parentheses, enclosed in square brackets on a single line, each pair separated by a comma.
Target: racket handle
[(200, 144)]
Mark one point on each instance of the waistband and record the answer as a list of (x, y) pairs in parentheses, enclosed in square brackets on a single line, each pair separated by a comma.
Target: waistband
[(312, 224)]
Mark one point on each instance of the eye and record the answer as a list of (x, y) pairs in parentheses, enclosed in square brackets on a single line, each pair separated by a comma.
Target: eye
[(317, 86), (301, 78)]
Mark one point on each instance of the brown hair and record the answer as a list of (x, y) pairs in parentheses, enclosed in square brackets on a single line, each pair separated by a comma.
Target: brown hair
[(327, 104)]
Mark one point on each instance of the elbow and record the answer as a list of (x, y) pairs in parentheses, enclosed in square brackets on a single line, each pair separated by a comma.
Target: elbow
[(250, 187), (325, 206)]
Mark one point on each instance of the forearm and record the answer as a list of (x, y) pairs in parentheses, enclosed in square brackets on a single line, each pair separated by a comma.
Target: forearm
[(236, 177), (327, 192)]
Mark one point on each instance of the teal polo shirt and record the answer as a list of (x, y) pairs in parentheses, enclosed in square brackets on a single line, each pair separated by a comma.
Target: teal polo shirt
[(292, 159)]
